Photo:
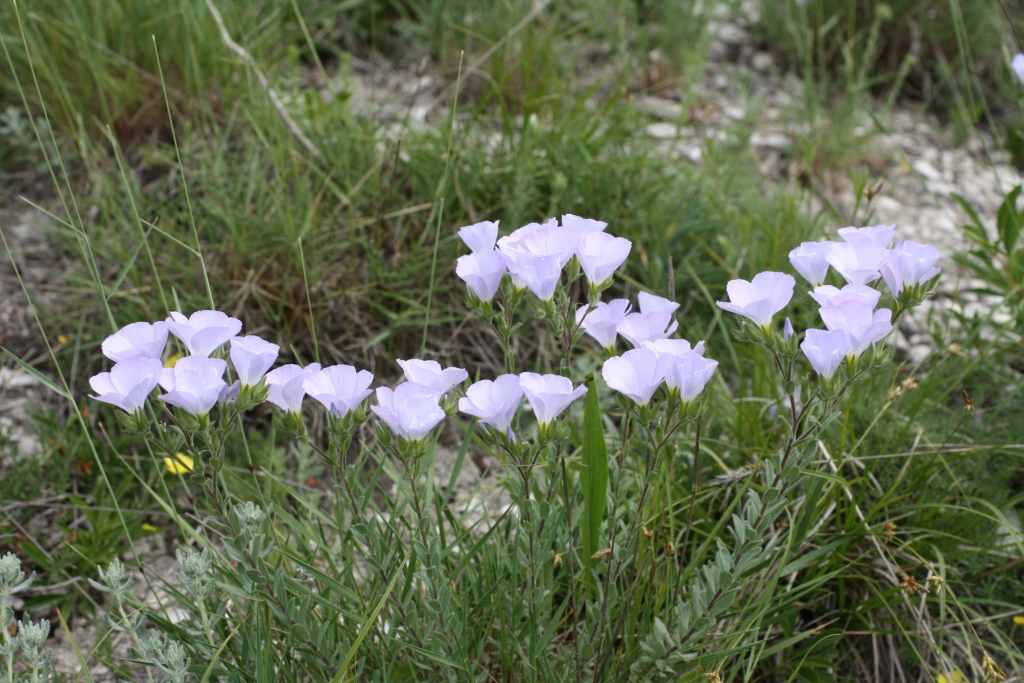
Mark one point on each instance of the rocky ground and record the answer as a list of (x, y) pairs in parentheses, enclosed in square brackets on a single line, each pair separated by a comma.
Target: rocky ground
[(742, 96)]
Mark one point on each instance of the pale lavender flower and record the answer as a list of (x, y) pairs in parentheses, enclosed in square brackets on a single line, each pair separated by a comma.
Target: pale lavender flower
[(601, 254), (602, 322), (252, 357), (858, 262), (882, 235), (910, 264), (538, 274), (827, 295), (340, 388), (809, 261), (482, 272), (429, 374), (689, 374), (650, 303), (1017, 64), (137, 340), (493, 403), (862, 326), (229, 393), (638, 328), (548, 395), (204, 331), (285, 385), (411, 410), (674, 347), (825, 350), (194, 383), (582, 225), (128, 383), (637, 373), (543, 241), (761, 298), (480, 237), (787, 329)]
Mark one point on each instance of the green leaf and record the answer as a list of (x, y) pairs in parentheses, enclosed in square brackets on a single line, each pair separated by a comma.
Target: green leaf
[(40, 377), (1008, 221), (594, 476)]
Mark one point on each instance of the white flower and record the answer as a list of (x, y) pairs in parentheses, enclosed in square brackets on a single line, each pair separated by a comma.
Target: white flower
[(194, 384), (602, 322), (411, 410), (809, 261), (688, 374), (285, 385), (601, 254), (761, 298), (638, 328), (637, 373), (827, 295), (649, 303), (538, 274), (1017, 64), (858, 262), (429, 374), (480, 237), (252, 357), (128, 383), (910, 264), (674, 347), (493, 403), (862, 326), (204, 331), (882, 235), (340, 388), (137, 340), (549, 395), (825, 350), (582, 225)]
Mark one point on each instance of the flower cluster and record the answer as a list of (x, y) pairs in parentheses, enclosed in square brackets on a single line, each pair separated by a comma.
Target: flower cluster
[(852, 322)]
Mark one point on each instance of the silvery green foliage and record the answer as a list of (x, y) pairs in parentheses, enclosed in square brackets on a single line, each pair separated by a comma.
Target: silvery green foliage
[(114, 581), (194, 572), (249, 515), (172, 661), (12, 578)]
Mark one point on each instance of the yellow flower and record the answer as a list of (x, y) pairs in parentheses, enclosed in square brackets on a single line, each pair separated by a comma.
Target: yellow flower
[(61, 339), (1019, 620), (149, 528), (181, 465), (950, 677), (169, 363)]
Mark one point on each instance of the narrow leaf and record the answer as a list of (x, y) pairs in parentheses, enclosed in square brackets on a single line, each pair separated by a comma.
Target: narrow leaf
[(593, 477)]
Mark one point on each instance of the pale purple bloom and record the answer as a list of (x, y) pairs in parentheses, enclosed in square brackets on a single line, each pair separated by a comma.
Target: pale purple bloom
[(787, 329), (689, 374), (194, 383), (538, 274), (411, 410), (137, 340), (882, 235), (602, 322), (493, 403), (637, 373), (582, 225), (761, 298), (429, 374), (544, 241), (340, 388), (252, 357), (650, 303), (910, 264), (825, 350), (809, 261), (674, 347), (858, 262), (601, 255), (862, 326), (638, 328), (229, 393), (1017, 64), (827, 295), (128, 383), (480, 237), (549, 395), (285, 385), (482, 272), (204, 331)]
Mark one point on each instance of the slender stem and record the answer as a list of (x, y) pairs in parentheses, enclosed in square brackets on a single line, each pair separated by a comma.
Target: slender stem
[(7, 640), (693, 493)]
